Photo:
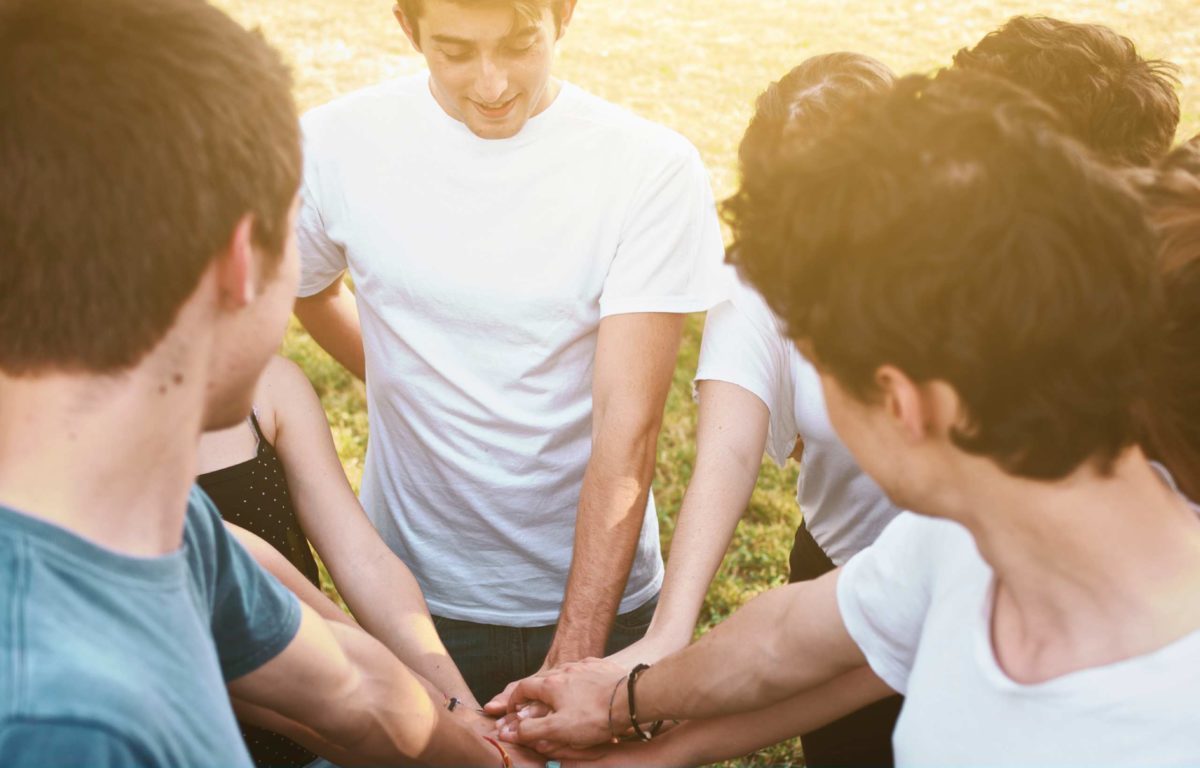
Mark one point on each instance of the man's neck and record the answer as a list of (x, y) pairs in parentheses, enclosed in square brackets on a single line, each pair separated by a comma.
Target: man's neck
[(1101, 565), (109, 458)]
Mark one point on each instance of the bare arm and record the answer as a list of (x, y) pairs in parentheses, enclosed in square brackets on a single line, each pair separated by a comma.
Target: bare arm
[(799, 643), (348, 696), (635, 358), (701, 742), (730, 436), (281, 568), (331, 318), (377, 585)]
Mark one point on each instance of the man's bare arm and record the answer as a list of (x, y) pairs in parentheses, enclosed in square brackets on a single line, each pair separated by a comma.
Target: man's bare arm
[(635, 358), (331, 318), (342, 688), (798, 641)]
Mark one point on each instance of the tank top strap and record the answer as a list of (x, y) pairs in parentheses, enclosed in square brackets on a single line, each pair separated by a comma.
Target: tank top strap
[(258, 433)]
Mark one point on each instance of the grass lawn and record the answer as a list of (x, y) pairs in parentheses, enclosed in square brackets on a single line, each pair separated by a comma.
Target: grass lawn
[(695, 65)]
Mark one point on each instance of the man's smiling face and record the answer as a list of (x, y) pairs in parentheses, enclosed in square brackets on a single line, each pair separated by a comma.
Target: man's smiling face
[(489, 65)]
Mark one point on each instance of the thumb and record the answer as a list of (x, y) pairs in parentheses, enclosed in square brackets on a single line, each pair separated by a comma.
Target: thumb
[(499, 703)]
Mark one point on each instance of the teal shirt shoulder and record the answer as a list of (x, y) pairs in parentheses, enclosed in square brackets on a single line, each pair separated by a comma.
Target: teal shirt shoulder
[(113, 660)]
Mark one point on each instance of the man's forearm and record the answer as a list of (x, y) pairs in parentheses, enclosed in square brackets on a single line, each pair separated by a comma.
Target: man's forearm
[(331, 318), (347, 694), (798, 640), (612, 507), (701, 742)]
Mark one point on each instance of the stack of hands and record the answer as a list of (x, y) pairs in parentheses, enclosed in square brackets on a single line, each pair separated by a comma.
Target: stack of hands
[(577, 712)]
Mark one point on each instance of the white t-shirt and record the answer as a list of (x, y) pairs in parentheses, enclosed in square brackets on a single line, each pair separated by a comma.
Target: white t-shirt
[(482, 270), (918, 604), (744, 344)]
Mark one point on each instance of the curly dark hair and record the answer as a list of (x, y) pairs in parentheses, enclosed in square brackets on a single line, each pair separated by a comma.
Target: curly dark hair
[(804, 101), (1171, 418), (950, 227), (1121, 105)]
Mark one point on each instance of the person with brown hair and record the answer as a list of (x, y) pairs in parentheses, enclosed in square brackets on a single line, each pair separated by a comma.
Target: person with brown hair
[(1171, 416), (758, 394), (523, 254), (1038, 605), (151, 157), (1115, 101)]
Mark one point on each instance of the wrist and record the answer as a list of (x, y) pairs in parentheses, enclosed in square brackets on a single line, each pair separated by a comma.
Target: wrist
[(498, 750)]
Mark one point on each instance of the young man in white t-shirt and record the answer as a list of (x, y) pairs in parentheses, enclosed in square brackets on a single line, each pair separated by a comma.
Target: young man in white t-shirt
[(523, 254), (979, 295)]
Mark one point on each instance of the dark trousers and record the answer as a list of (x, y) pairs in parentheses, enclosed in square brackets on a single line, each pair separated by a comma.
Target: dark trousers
[(492, 656), (862, 738)]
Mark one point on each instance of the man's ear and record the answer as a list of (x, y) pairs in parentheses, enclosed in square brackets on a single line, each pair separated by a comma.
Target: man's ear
[(235, 266), (903, 402), (568, 11), (409, 26)]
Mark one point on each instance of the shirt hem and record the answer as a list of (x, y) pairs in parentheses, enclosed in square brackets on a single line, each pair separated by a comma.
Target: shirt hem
[(521, 620), (680, 305), (288, 628)]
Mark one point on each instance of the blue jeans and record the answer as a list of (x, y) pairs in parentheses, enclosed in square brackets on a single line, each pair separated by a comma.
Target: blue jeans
[(492, 656)]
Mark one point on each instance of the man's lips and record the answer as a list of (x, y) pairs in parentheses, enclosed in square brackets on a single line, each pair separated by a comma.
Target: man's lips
[(497, 111)]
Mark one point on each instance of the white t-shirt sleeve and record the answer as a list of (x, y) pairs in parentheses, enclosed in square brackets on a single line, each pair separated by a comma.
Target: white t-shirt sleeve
[(322, 260), (739, 348), (670, 256), (884, 594)]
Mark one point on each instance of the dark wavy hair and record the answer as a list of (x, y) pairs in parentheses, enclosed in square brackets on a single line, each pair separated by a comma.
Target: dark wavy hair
[(803, 102), (1171, 417), (1121, 105), (951, 228), (134, 134)]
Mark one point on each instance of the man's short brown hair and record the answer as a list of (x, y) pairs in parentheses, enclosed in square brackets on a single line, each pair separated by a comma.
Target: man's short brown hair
[(1121, 105), (134, 134), (525, 10)]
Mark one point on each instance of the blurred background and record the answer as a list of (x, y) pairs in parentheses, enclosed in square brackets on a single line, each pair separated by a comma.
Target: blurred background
[(696, 66)]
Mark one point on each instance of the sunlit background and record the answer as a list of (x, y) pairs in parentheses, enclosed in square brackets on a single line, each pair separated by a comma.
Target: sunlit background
[(696, 66)]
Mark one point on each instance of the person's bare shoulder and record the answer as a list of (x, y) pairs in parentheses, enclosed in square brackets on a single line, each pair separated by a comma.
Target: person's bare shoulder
[(282, 388)]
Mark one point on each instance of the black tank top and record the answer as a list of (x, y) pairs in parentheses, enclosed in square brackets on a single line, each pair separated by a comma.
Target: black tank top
[(254, 495)]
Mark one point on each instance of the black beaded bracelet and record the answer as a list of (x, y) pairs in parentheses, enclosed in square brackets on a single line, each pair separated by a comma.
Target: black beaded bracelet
[(637, 729)]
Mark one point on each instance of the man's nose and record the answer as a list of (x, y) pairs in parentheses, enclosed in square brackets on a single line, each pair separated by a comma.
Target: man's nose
[(492, 81)]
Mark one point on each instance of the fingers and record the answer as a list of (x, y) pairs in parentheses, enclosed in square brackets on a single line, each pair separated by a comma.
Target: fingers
[(531, 689), (531, 730), (499, 703)]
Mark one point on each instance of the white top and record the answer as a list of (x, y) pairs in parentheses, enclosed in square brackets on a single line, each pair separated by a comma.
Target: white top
[(744, 344), (482, 270), (918, 604)]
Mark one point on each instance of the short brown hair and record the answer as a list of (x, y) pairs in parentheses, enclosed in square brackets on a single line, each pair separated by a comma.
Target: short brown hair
[(134, 134), (1171, 417), (1121, 105), (950, 227), (525, 10), (805, 100)]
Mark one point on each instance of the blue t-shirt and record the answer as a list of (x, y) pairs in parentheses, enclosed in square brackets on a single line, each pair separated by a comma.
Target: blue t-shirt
[(109, 660)]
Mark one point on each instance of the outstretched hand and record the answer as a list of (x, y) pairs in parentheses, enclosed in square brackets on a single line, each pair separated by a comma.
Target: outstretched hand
[(573, 704)]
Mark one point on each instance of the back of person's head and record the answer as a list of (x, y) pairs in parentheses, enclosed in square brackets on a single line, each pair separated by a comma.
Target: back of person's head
[(1171, 418), (134, 135), (1121, 105), (952, 229), (803, 102)]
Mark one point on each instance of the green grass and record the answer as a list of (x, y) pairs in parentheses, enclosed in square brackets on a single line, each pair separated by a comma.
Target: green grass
[(695, 65)]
